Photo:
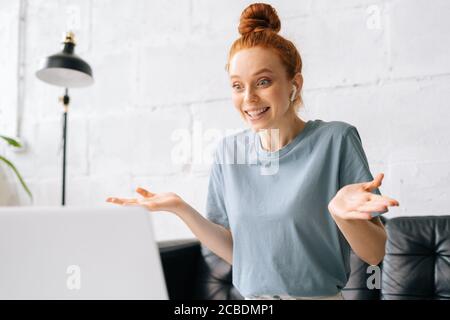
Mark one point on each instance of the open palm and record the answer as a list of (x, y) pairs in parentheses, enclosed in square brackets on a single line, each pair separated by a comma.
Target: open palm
[(166, 201), (356, 201)]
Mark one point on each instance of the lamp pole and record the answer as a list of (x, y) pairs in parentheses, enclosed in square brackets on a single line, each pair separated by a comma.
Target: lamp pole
[(65, 100)]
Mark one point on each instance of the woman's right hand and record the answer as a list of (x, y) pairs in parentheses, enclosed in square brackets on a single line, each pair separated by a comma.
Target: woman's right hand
[(166, 201), (214, 236)]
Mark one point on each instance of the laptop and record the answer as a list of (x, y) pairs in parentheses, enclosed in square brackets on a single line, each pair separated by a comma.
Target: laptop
[(79, 253)]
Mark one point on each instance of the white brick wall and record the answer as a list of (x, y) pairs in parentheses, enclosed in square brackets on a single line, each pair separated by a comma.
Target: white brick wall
[(159, 72), (8, 62)]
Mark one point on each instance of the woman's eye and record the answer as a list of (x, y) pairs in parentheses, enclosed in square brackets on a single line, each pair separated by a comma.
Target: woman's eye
[(236, 86), (264, 82)]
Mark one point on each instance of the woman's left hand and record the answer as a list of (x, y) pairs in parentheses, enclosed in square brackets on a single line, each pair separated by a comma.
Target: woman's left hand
[(355, 201)]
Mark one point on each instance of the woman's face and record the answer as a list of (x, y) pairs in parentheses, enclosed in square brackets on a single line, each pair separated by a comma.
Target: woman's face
[(260, 88)]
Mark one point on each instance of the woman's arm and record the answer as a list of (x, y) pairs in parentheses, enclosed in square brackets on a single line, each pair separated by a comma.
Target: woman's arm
[(351, 210), (217, 238), (366, 238)]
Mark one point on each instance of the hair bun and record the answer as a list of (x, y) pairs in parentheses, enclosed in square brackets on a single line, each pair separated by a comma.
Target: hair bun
[(259, 17)]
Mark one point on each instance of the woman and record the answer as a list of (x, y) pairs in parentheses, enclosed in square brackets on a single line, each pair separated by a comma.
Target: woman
[(287, 199)]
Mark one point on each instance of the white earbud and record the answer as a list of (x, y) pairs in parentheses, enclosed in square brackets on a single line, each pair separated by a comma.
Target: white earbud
[(294, 91)]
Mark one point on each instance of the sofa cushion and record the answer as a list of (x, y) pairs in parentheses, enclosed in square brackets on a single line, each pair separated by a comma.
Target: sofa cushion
[(417, 260)]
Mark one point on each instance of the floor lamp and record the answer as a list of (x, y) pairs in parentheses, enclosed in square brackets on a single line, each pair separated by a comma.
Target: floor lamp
[(66, 69)]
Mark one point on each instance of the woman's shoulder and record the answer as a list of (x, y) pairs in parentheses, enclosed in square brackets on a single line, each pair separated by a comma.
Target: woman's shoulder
[(335, 129)]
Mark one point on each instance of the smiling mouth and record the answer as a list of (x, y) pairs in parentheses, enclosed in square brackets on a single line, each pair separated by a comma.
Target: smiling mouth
[(256, 115)]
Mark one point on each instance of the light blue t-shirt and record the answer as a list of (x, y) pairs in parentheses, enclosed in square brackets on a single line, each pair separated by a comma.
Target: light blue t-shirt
[(276, 206)]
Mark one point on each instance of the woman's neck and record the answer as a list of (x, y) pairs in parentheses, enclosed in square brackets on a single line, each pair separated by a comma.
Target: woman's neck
[(274, 139)]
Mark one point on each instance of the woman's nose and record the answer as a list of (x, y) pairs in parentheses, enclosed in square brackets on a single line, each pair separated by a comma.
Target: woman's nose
[(250, 96)]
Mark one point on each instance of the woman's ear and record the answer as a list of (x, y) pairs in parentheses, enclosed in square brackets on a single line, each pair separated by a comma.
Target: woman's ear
[(298, 81)]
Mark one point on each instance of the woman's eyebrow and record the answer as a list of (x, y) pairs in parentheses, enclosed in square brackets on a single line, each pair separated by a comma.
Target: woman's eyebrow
[(255, 74), (262, 71)]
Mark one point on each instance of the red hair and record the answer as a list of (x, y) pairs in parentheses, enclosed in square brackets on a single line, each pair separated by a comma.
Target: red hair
[(259, 26)]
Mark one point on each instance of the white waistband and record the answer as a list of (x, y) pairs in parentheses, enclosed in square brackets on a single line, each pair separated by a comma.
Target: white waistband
[(337, 296)]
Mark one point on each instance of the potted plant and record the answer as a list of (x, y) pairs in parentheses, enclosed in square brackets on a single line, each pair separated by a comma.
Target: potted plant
[(15, 144)]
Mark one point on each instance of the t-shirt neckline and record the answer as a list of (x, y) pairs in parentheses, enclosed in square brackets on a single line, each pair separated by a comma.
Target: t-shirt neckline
[(279, 153)]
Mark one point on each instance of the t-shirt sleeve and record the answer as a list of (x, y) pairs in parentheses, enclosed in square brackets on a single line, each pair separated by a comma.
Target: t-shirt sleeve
[(354, 167), (215, 204)]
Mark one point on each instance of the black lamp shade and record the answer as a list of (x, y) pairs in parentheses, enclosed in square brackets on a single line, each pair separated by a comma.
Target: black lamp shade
[(66, 69)]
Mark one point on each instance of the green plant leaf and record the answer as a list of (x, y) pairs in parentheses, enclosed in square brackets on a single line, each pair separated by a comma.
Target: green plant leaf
[(17, 174), (11, 141)]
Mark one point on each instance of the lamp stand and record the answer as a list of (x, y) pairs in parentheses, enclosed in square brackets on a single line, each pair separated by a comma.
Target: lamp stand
[(65, 100), (67, 70)]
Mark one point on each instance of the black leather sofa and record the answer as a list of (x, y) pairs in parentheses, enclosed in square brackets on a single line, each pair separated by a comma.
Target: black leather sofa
[(416, 266)]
